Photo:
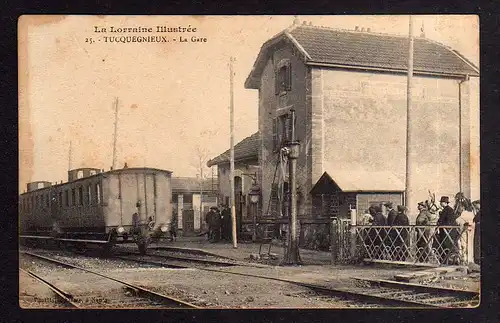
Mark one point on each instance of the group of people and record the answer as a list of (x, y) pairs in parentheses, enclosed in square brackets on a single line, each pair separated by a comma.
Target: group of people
[(442, 242), (381, 240), (219, 224), (438, 242)]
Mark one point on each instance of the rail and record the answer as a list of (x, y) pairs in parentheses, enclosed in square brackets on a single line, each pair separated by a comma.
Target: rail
[(149, 293)]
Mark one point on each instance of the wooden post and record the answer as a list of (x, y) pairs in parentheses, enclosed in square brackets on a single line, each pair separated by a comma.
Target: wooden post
[(409, 203), (231, 113), (333, 239), (292, 257)]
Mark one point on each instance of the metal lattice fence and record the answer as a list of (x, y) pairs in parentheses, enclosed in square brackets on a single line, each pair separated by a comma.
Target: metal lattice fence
[(413, 244)]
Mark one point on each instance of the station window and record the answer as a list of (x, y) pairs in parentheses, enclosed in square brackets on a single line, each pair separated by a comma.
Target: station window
[(73, 196), (80, 195), (60, 199)]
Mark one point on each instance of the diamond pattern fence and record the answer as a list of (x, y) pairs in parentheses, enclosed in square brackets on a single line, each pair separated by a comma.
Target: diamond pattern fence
[(437, 245)]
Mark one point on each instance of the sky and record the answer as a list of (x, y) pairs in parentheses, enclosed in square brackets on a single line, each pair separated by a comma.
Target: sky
[(173, 98)]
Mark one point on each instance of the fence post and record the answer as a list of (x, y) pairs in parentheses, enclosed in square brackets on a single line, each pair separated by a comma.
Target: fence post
[(334, 239)]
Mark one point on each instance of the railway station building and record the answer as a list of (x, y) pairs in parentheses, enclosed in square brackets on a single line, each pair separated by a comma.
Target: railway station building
[(349, 91)]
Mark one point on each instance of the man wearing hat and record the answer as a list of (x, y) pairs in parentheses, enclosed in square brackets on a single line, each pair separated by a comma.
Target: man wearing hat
[(391, 213), (391, 216), (477, 241), (401, 219), (446, 218)]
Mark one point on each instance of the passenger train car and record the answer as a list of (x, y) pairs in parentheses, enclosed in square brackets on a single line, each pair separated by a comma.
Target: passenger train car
[(121, 205)]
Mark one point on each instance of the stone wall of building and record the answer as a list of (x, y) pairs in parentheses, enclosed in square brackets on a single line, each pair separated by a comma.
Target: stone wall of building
[(272, 105), (359, 122)]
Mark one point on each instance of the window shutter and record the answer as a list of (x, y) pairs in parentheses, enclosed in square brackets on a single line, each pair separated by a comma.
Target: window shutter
[(288, 81)]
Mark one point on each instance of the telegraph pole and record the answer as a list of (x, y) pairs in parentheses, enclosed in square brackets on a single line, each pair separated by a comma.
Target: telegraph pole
[(115, 133), (409, 188), (292, 256), (231, 115)]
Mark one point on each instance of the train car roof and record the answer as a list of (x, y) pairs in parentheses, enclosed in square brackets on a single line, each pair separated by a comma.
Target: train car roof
[(120, 170)]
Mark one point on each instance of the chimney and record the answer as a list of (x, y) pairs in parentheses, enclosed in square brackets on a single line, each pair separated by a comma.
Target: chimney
[(363, 29), (304, 22), (356, 28), (296, 21), (310, 23), (368, 29)]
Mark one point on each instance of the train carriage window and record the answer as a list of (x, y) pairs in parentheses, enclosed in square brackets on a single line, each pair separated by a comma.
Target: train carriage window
[(73, 196), (47, 201), (80, 195), (66, 197), (60, 199), (98, 193), (79, 174), (92, 172), (89, 195)]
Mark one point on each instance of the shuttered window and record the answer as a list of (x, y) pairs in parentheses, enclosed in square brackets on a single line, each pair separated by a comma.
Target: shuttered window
[(283, 77)]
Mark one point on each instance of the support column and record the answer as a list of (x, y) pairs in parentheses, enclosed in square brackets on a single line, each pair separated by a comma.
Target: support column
[(465, 142)]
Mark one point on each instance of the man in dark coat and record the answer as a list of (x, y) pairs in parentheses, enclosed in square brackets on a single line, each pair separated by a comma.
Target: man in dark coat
[(393, 235), (378, 234), (447, 217), (209, 218), (401, 241), (226, 223), (216, 225), (391, 213), (477, 231)]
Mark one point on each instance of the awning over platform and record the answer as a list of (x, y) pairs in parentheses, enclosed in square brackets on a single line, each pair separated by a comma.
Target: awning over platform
[(357, 181)]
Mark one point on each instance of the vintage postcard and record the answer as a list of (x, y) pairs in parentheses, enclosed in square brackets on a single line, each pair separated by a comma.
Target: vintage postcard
[(249, 161)]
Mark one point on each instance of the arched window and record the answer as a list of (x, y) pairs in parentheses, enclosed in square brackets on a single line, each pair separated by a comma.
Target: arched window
[(79, 174)]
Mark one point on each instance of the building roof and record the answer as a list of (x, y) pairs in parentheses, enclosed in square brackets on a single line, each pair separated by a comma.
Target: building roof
[(324, 46), (192, 184), (246, 149), (360, 181)]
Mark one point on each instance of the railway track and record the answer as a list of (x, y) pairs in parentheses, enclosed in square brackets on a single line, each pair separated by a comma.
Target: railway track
[(142, 296), (421, 295), (369, 291), (66, 297)]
